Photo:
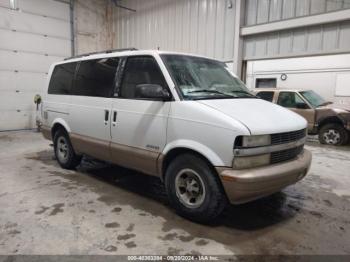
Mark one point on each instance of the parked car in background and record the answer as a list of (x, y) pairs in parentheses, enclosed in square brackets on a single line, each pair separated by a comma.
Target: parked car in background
[(329, 120), (183, 118)]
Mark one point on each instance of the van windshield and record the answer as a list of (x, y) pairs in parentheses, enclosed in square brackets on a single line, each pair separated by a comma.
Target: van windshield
[(201, 78)]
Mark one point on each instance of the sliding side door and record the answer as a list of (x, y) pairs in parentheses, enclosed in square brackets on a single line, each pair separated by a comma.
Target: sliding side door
[(91, 103)]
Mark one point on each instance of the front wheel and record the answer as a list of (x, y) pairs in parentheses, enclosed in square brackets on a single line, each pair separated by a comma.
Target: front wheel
[(194, 189), (64, 151), (333, 134)]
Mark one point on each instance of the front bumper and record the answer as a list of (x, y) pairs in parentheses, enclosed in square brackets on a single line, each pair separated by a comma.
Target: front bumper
[(242, 186)]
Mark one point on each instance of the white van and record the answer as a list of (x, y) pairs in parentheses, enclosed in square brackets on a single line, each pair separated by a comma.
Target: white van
[(183, 118)]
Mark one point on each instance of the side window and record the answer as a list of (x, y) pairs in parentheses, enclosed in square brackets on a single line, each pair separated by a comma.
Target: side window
[(291, 100), (266, 83), (61, 79), (140, 71), (268, 96), (96, 77)]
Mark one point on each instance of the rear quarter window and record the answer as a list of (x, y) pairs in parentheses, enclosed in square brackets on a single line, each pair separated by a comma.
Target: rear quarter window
[(61, 79), (96, 77)]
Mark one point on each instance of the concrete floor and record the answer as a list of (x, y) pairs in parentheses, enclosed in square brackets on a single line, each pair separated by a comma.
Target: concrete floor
[(103, 209)]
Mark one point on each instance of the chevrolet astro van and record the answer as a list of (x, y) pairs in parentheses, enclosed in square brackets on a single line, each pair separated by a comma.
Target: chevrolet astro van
[(184, 118)]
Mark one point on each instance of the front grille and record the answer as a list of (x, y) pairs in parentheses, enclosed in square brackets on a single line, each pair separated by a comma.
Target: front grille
[(285, 155), (283, 138)]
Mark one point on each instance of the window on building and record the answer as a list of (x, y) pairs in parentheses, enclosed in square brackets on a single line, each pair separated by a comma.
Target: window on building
[(96, 77), (291, 100), (266, 83), (61, 79), (268, 96), (138, 71)]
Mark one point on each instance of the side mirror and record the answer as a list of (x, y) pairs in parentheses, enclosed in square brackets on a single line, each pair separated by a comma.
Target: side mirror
[(301, 106), (152, 91)]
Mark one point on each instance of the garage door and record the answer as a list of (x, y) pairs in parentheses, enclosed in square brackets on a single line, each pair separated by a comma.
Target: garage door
[(33, 34)]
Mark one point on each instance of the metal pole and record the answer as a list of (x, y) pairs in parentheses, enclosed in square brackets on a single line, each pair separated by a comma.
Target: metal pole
[(72, 27)]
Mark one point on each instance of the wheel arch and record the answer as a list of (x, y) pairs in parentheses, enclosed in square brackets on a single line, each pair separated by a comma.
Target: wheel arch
[(171, 153), (57, 124), (329, 120)]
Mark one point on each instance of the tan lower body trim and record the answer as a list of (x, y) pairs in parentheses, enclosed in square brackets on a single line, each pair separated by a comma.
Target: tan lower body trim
[(130, 157), (135, 158), (91, 146), (46, 132)]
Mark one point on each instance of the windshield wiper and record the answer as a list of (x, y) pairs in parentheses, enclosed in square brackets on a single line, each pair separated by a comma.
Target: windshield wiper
[(325, 103), (209, 91)]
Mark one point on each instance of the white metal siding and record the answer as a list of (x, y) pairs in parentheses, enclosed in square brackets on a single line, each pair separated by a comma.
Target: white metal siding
[(322, 39), (203, 27), (264, 11), (32, 36)]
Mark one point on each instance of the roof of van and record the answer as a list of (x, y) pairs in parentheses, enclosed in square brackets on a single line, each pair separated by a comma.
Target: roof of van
[(121, 52)]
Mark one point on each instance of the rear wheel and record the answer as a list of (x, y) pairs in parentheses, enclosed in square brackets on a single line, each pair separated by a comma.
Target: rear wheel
[(333, 134), (194, 189), (64, 151)]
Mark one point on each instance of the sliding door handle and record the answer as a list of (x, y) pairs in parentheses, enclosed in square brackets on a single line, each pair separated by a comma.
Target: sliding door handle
[(114, 120), (106, 117)]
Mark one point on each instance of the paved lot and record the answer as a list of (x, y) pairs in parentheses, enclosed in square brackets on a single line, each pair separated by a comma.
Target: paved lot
[(102, 209)]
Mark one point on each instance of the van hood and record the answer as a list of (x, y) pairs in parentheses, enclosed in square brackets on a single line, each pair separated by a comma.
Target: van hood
[(259, 116)]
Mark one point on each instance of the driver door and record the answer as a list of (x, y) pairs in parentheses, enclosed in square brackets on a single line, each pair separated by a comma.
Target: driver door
[(294, 102), (138, 125)]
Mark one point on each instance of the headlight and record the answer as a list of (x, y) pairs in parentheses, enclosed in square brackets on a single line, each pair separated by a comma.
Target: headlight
[(255, 141), (251, 161)]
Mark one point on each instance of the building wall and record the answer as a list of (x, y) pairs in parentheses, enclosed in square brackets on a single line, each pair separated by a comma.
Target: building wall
[(203, 27), (320, 39), (93, 25), (33, 35), (265, 11)]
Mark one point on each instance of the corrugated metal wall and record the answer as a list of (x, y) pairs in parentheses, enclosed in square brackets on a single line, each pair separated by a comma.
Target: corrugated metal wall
[(322, 39), (264, 11), (203, 27)]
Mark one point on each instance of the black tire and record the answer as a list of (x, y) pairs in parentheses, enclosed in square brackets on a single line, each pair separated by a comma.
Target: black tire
[(333, 134), (214, 200), (71, 160)]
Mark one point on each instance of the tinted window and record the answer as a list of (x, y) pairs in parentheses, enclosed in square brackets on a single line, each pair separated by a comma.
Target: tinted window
[(61, 79), (266, 83), (96, 77), (268, 96), (138, 71), (290, 100)]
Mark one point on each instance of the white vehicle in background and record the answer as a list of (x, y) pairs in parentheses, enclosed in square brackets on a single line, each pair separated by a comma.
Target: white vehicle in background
[(183, 118)]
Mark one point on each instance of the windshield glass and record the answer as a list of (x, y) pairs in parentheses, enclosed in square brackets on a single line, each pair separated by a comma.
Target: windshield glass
[(313, 98), (201, 78)]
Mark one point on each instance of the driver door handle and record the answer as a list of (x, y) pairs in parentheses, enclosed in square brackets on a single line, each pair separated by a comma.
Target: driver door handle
[(114, 120)]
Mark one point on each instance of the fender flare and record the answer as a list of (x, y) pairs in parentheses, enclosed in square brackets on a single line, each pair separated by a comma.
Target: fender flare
[(62, 122), (205, 151)]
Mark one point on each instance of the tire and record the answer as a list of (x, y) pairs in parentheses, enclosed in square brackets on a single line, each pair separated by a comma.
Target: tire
[(333, 134), (202, 181), (64, 151)]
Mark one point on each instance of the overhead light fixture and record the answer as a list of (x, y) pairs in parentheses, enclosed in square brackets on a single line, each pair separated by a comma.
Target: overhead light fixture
[(13, 4), (230, 5)]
